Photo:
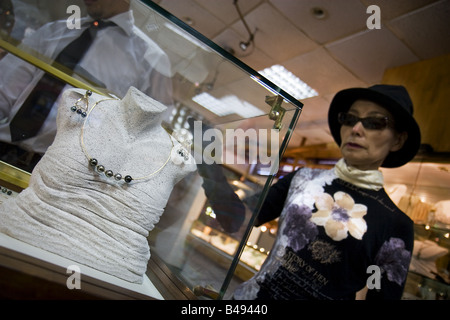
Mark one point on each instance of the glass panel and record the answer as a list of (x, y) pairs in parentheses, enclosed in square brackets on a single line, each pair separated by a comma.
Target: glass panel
[(199, 246), (235, 123), (421, 190)]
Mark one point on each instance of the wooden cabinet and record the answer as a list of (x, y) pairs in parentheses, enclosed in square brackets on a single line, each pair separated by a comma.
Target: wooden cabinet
[(428, 83)]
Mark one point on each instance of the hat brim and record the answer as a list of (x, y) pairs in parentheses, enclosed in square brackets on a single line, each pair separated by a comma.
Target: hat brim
[(342, 102)]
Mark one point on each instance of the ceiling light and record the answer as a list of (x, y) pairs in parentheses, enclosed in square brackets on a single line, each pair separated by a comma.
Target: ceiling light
[(244, 45), (287, 81), (227, 105), (319, 13), (189, 21)]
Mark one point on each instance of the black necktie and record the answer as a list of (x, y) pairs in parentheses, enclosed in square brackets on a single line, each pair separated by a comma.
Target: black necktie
[(33, 112)]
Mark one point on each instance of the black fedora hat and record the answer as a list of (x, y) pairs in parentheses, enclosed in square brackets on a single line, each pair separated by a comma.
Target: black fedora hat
[(393, 98)]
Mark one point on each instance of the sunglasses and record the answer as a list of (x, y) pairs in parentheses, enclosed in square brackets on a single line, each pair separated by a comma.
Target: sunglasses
[(372, 123)]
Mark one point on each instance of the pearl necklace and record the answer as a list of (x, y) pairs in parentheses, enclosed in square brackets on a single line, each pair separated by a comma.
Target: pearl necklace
[(94, 163)]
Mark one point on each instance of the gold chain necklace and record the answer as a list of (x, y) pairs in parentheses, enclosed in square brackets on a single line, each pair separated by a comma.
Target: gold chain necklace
[(94, 163)]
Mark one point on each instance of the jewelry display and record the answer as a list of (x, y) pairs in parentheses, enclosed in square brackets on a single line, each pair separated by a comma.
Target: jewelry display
[(5, 193), (87, 200), (183, 153), (4, 190), (184, 137), (94, 163), (76, 108)]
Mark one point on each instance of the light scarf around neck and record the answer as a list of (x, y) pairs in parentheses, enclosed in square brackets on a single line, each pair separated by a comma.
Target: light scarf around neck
[(368, 179)]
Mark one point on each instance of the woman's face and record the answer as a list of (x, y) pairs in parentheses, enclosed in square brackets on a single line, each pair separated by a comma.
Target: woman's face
[(366, 149)]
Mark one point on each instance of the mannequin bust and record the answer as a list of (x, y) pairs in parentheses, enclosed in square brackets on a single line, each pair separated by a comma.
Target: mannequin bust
[(73, 210)]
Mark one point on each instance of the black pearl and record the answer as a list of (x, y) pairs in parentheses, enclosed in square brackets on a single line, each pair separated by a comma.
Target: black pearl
[(118, 176), (93, 162), (183, 153), (79, 111), (128, 179), (109, 173), (100, 168), (9, 192), (89, 92), (84, 114), (73, 108)]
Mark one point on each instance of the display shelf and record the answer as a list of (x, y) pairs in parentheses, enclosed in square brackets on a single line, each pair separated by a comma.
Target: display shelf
[(419, 287), (429, 274), (252, 256), (13, 178), (28, 272)]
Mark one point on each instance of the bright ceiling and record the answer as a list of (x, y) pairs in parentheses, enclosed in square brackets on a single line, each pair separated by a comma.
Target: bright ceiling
[(330, 51)]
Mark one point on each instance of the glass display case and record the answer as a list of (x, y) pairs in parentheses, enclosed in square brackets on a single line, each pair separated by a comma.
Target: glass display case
[(428, 278), (235, 123), (421, 190)]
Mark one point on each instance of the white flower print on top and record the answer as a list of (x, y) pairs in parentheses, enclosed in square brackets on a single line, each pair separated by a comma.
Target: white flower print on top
[(340, 216)]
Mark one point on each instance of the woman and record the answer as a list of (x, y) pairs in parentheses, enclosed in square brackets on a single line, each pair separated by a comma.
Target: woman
[(338, 230)]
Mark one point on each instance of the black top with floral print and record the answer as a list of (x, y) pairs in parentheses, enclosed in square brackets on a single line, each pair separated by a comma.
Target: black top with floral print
[(334, 238)]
